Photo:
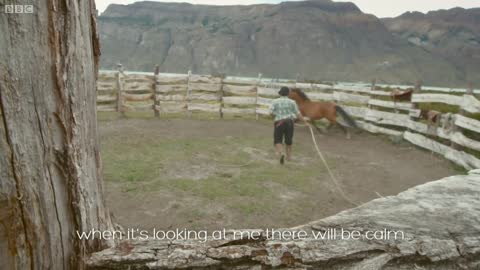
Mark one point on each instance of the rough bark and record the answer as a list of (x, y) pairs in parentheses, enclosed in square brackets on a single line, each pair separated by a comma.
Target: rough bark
[(50, 168), (440, 221)]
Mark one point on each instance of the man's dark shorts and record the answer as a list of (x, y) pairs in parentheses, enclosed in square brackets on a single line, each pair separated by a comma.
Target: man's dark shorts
[(283, 129)]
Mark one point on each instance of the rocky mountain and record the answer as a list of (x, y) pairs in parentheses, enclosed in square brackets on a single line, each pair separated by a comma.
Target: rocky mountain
[(454, 34), (317, 40)]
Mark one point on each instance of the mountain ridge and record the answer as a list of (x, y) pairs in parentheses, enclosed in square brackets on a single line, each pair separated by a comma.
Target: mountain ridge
[(317, 40), (453, 34)]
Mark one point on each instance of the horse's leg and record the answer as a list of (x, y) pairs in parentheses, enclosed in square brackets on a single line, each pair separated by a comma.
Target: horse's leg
[(332, 121), (320, 131), (332, 117), (330, 125), (345, 130), (318, 116), (311, 119)]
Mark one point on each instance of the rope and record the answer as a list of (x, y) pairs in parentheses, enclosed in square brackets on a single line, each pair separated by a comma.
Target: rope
[(334, 180)]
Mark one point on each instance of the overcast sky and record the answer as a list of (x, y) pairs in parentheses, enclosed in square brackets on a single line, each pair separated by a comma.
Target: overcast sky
[(381, 8)]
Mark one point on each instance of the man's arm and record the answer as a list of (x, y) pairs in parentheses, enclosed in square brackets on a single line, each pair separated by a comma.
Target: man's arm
[(300, 116), (272, 110)]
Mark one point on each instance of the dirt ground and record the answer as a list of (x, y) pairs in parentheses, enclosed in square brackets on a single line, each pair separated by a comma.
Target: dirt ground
[(215, 174)]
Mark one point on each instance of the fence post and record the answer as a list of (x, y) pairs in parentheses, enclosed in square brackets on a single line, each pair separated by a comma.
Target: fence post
[(417, 89), (120, 107), (418, 86), (470, 89), (221, 97), (259, 79), (462, 112), (187, 98), (415, 111), (156, 102), (372, 88)]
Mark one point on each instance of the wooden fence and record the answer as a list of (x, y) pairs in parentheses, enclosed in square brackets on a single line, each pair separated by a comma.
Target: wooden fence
[(454, 134)]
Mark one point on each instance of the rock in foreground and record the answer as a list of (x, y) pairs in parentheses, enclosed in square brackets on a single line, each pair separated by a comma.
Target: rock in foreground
[(439, 222)]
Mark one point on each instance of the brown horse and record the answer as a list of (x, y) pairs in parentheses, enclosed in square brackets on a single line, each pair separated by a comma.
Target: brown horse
[(401, 95), (319, 110)]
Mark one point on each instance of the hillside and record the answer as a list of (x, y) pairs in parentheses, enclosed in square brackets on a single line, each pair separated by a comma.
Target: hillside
[(453, 34), (321, 40)]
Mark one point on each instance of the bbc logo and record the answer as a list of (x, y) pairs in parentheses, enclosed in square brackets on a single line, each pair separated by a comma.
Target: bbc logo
[(19, 9)]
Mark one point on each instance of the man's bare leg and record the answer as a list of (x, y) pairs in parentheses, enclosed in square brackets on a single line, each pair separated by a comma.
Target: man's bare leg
[(279, 151), (289, 152)]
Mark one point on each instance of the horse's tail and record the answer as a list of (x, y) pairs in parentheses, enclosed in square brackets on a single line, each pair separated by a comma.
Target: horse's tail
[(350, 121)]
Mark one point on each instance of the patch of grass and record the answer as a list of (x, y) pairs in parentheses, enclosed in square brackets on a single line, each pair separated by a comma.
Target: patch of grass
[(441, 107), (473, 115), (459, 169), (446, 108), (106, 116), (247, 208), (227, 172)]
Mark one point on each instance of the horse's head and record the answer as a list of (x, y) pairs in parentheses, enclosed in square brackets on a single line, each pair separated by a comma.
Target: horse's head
[(298, 95)]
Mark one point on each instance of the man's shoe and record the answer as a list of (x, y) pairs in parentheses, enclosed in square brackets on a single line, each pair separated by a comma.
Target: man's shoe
[(282, 159)]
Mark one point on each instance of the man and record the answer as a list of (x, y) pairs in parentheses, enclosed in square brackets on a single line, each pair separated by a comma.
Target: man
[(285, 111)]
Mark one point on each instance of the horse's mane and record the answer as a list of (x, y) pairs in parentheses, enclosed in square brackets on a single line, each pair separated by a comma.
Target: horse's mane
[(301, 94)]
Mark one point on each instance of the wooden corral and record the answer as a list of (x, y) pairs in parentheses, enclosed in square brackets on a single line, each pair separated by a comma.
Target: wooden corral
[(454, 134)]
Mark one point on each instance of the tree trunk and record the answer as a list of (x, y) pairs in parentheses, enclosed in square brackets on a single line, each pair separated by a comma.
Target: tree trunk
[(50, 168)]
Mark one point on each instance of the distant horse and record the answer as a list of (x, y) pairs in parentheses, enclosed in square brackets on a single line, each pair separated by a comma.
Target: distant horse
[(318, 110), (401, 95), (432, 117)]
